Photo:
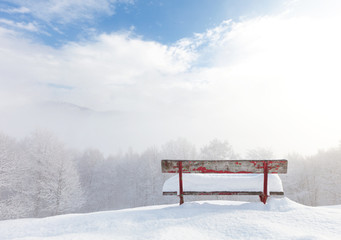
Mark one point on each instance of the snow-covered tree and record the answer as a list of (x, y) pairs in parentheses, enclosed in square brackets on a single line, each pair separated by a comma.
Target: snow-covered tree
[(217, 150), (150, 175), (7, 160), (9, 166), (53, 178), (178, 149), (259, 154), (97, 179), (87, 165)]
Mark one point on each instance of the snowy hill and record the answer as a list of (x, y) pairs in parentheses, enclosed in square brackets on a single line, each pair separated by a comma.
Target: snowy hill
[(279, 219)]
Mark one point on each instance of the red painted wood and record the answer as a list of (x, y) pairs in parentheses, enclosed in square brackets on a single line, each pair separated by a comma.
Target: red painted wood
[(224, 166), (265, 182), (181, 191)]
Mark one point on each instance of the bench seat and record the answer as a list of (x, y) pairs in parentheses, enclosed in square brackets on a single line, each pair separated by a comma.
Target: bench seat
[(223, 184)]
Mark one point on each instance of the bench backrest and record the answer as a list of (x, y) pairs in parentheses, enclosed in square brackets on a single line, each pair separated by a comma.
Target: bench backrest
[(225, 166)]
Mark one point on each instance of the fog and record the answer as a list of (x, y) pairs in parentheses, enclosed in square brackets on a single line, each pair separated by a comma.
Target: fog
[(269, 81)]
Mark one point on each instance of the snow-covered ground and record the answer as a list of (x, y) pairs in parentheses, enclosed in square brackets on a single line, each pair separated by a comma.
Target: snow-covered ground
[(280, 218)]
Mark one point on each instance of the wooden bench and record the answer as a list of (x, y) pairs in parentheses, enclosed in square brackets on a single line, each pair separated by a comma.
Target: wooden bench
[(264, 167)]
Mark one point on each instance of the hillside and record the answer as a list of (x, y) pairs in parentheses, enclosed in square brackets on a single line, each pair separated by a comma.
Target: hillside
[(279, 219)]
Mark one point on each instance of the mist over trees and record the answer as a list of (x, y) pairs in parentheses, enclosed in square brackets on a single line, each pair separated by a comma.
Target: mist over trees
[(40, 176)]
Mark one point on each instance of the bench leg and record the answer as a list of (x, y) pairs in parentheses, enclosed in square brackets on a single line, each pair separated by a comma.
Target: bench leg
[(264, 195), (181, 191), (181, 199)]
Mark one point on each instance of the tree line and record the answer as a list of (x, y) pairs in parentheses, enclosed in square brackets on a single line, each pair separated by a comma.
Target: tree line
[(40, 176)]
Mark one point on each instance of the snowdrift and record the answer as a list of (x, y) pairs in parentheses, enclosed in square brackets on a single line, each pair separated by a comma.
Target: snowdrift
[(280, 218)]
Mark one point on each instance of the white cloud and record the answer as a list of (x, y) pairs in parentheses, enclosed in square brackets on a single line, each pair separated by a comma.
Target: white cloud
[(267, 81), (21, 10), (31, 26), (105, 68), (67, 11)]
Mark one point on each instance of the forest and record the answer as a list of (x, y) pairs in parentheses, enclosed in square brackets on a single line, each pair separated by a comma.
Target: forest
[(40, 176)]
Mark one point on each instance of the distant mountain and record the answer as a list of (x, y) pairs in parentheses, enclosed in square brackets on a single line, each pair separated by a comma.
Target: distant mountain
[(80, 127)]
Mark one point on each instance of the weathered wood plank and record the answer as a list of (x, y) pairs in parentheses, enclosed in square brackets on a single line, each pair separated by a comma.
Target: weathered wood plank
[(223, 193), (224, 166)]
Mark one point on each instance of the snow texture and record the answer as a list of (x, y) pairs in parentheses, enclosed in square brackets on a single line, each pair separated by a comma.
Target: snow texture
[(223, 182), (280, 218)]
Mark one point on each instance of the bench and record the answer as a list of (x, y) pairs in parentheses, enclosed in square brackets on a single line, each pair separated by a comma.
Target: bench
[(263, 167)]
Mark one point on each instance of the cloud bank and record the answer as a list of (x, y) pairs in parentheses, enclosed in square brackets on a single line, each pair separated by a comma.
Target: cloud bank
[(269, 81)]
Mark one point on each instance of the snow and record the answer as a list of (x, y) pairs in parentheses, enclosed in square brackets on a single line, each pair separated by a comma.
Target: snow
[(280, 218), (223, 182)]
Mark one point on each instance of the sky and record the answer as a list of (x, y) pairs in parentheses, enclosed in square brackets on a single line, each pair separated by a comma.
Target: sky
[(113, 74), (57, 22)]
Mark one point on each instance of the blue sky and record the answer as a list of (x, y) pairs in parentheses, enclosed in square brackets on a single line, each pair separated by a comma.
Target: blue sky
[(256, 73), (163, 21)]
